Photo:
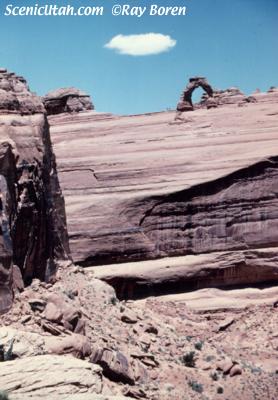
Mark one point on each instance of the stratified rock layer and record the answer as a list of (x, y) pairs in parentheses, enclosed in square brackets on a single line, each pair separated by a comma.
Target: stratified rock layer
[(143, 187), (181, 274), (34, 232), (238, 211), (47, 375)]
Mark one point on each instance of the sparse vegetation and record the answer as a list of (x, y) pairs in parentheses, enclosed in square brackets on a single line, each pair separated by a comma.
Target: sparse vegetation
[(113, 301), (197, 387), (214, 376), (220, 390), (199, 345), (3, 395), (189, 359)]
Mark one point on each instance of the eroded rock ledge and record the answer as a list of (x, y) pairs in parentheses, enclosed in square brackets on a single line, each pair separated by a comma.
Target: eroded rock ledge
[(67, 100), (137, 280), (238, 211)]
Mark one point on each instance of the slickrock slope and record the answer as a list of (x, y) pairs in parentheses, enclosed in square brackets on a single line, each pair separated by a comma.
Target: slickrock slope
[(144, 187), (33, 222)]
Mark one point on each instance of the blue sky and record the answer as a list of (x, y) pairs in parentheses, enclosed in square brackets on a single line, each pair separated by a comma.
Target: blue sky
[(231, 42)]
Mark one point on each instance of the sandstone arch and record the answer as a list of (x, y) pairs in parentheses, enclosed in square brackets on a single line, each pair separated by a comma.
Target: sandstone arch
[(185, 103)]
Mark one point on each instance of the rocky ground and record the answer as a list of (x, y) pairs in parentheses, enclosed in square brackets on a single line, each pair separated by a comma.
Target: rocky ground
[(75, 337)]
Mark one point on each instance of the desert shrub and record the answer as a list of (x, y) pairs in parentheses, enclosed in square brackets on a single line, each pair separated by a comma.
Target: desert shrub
[(214, 376), (3, 395), (197, 387), (199, 345), (220, 390), (189, 359)]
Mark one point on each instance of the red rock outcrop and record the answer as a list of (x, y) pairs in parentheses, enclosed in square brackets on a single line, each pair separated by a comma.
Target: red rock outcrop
[(143, 187), (186, 104), (69, 100), (34, 232)]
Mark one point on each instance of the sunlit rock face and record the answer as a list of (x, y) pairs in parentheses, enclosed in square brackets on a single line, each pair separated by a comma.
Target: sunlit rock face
[(147, 186), (34, 233)]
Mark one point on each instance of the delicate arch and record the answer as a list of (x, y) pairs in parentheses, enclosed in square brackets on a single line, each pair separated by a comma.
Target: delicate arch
[(185, 103)]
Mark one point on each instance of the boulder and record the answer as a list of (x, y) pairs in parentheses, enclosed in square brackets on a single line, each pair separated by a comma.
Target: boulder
[(67, 100), (59, 309), (225, 365), (77, 345), (235, 370), (116, 366), (52, 313)]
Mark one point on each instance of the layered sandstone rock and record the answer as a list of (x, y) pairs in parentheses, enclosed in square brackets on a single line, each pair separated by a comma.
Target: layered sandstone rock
[(34, 232), (182, 274), (122, 164), (47, 375), (143, 187), (69, 100), (230, 96)]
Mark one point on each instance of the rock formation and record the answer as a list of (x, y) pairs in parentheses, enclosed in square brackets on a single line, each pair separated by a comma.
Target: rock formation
[(28, 375), (237, 211), (185, 103), (34, 232), (183, 274), (230, 96), (140, 350), (69, 100), (194, 201), (155, 189)]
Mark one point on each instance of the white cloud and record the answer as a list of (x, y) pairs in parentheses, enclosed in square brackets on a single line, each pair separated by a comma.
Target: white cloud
[(143, 44)]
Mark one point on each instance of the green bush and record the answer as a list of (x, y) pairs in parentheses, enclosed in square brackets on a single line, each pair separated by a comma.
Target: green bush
[(220, 390), (199, 345), (189, 359), (197, 387)]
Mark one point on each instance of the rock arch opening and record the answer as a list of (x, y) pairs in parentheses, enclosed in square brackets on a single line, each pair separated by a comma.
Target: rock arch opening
[(186, 103)]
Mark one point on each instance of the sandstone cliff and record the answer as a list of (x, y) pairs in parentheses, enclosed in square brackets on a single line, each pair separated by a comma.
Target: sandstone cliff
[(34, 233), (145, 187)]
